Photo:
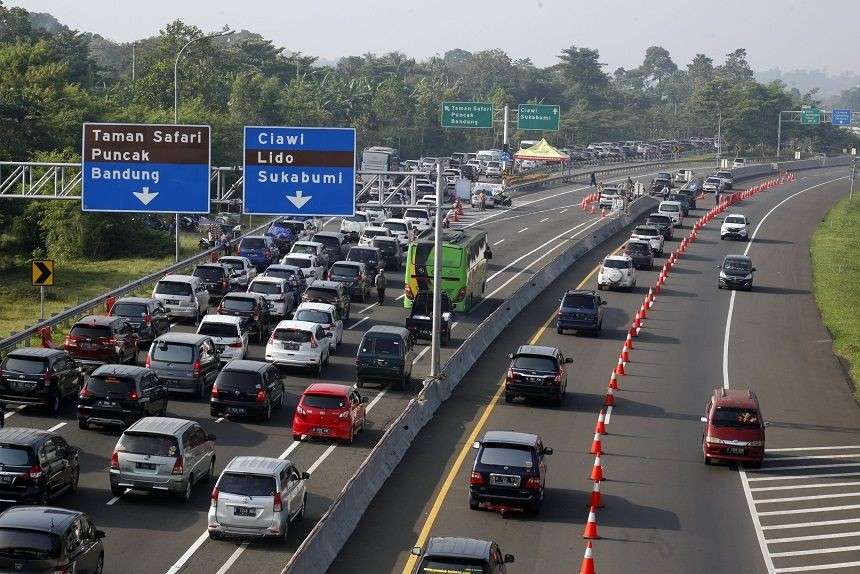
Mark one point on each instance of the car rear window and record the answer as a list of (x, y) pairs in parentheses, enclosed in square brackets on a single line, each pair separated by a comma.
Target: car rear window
[(658, 219), (645, 231), (375, 232), (129, 309), (265, 288), (304, 248), (669, 207), (362, 255), (344, 270), (253, 243), (25, 365), (215, 329), (535, 363), (735, 219), (293, 335), (323, 401), (416, 213), (578, 301), (104, 384), (616, 264), (92, 331), (239, 381), (506, 456), (327, 240), (395, 226), (13, 455), (145, 443), (209, 273), (314, 316), (233, 265), (638, 248), (246, 484), (452, 565), (300, 262), (232, 304), (382, 346), (737, 265), (28, 544), (172, 352), (385, 246), (358, 218), (321, 293), (735, 418), (173, 288)]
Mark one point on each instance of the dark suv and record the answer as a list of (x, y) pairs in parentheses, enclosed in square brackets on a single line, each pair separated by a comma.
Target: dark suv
[(370, 256), (663, 223), (215, 277), (247, 388), (120, 395), (37, 376), (254, 311), (641, 253), (184, 362), (333, 244), (353, 276), (581, 311), (537, 372), (36, 466), (509, 471), (330, 292), (147, 316), (736, 272), (48, 539), (96, 340), (464, 555)]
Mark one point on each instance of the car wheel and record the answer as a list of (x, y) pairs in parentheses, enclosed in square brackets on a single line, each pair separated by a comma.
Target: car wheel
[(197, 316), (534, 507), (201, 389), (707, 460), (215, 535), (210, 475), (359, 383), (351, 438), (43, 498), (319, 368), (282, 401), (54, 401), (473, 503), (82, 424), (189, 486), (719, 286), (599, 287)]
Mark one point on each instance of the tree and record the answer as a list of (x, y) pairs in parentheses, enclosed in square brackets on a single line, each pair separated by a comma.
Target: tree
[(700, 71), (657, 66), (583, 74), (736, 68)]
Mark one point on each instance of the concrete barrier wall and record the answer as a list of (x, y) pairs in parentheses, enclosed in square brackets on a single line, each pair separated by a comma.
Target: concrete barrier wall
[(328, 536)]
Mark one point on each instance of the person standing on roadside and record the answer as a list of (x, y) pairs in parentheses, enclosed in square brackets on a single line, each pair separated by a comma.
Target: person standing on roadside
[(482, 200), (380, 282), (593, 180), (225, 244)]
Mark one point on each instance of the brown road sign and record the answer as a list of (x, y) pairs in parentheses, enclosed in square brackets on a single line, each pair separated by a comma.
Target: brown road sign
[(42, 273)]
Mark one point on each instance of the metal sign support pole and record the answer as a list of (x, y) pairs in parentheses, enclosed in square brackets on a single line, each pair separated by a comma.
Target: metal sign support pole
[(505, 137), (437, 279), (778, 134), (853, 169), (42, 303)]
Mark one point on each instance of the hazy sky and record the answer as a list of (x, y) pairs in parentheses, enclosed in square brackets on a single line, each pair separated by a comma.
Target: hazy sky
[(789, 34)]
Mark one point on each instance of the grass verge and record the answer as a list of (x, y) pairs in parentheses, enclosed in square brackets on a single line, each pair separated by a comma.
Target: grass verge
[(835, 252)]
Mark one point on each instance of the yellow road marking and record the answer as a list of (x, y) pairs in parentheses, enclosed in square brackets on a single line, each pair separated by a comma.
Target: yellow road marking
[(461, 456)]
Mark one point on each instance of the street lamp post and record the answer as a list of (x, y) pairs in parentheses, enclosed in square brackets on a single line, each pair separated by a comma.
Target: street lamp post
[(176, 104), (719, 135)]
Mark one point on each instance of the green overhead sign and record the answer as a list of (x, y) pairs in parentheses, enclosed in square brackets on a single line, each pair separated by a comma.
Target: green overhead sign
[(810, 116), (467, 115), (538, 117)]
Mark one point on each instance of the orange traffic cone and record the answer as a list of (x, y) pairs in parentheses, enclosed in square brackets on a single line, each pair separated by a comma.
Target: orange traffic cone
[(600, 427), (596, 470), (590, 532), (628, 342), (613, 381), (602, 212), (592, 210), (595, 499), (609, 399), (596, 446), (619, 368), (625, 356), (642, 313), (587, 562)]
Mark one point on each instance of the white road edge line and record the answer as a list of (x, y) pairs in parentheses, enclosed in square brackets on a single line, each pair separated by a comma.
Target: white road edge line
[(544, 219), (804, 498), (810, 510), (817, 567), (816, 551), (57, 426), (233, 557), (801, 486), (523, 229), (814, 537), (17, 409), (811, 524), (805, 448), (803, 476), (499, 241)]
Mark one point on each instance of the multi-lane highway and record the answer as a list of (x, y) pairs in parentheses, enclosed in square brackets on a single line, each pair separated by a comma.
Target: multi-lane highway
[(171, 535), (665, 511)]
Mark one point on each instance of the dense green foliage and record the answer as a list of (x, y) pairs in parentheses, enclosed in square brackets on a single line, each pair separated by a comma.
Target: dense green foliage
[(52, 81)]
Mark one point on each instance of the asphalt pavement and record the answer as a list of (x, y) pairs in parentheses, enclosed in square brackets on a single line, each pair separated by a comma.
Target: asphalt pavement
[(665, 511)]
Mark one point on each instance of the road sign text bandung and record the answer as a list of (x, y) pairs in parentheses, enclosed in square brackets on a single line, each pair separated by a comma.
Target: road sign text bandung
[(145, 168), (467, 115), (841, 117), (299, 171)]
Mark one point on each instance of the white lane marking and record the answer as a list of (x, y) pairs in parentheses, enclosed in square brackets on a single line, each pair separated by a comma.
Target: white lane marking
[(536, 249), (818, 456), (804, 476), (608, 414), (17, 409), (759, 531), (291, 448), (726, 339), (499, 241), (115, 499), (523, 229), (802, 486), (807, 466), (808, 510), (368, 308), (219, 420), (816, 551), (805, 448), (817, 567), (357, 323), (233, 557), (322, 457), (564, 210), (544, 219), (425, 349), (177, 566), (811, 524), (57, 426), (804, 498), (814, 537)]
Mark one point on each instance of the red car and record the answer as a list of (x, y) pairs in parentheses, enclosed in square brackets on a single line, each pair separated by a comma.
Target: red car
[(97, 340), (330, 411), (734, 427)]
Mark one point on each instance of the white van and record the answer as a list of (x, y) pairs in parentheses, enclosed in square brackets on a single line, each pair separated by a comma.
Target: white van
[(226, 330), (672, 209), (182, 296)]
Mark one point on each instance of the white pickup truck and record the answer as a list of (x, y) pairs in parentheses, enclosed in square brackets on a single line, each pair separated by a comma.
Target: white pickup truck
[(352, 227)]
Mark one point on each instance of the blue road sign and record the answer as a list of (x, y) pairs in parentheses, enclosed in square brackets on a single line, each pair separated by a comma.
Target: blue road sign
[(299, 171), (505, 157), (841, 117), (145, 168)]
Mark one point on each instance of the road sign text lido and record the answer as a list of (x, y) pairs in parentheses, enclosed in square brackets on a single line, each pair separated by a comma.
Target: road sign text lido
[(299, 171), (141, 167)]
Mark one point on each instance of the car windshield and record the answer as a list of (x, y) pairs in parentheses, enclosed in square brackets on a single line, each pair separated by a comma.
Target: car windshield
[(246, 484), (646, 231), (172, 352), (299, 262), (452, 565), (314, 316), (416, 213), (265, 288), (506, 456), (358, 218), (215, 329), (578, 301), (375, 232), (714, 180), (344, 270), (638, 248), (323, 401), (737, 265), (92, 331), (292, 335), (24, 365), (658, 219), (328, 241), (385, 246), (321, 293), (616, 264), (173, 288), (238, 381), (232, 264), (493, 164), (535, 363), (362, 255), (209, 273), (253, 243), (28, 544), (735, 219), (104, 384), (11, 455), (381, 346), (395, 226), (735, 418), (241, 305), (669, 207), (726, 174), (144, 443), (129, 309), (304, 248)]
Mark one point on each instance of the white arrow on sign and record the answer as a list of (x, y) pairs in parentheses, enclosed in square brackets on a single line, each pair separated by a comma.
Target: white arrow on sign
[(298, 200), (145, 196)]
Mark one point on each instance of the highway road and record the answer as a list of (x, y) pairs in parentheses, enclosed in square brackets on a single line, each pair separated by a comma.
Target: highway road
[(154, 534), (665, 511)]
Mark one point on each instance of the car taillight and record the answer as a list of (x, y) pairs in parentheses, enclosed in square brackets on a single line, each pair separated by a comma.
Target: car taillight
[(46, 376), (461, 294), (533, 483), (314, 343), (67, 569), (268, 254), (179, 465), (69, 341), (85, 392), (34, 472), (343, 415), (224, 284), (261, 396), (198, 369), (213, 498), (147, 362), (236, 345), (278, 504), (214, 392), (511, 374), (114, 460), (147, 319), (476, 478), (133, 396), (300, 410), (407, 290)]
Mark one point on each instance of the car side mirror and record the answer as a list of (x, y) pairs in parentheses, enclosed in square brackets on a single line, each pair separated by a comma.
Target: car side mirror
[(718, 266), (488, 254), (509, 558), (476, 444), (416, 551), (306, 475), (703, 419), (210, 437), (753, 269), (510, 355), (100, 534), (767, 423), (568, 360), (547, 450)]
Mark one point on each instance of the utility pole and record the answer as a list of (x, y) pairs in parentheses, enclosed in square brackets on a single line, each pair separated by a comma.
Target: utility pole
[(719, 136), (505, 137), (435, 338), (853, 169)]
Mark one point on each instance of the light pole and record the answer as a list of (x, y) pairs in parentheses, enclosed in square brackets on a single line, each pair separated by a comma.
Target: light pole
[(719, 135), (176, 103), (436, 334)]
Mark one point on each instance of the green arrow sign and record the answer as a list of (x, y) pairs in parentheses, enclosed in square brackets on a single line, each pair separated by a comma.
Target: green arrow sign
[(538, 117), (467, 115), (810, 116)]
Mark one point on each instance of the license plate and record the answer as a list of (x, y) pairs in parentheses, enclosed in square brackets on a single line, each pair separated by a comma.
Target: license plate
[(173, 301), (107, 403), (291, 346), (321, 430), (23, 385), (243, 511), (236, 410), (735, 450), (504, 480), (145, 466), (88, 346)]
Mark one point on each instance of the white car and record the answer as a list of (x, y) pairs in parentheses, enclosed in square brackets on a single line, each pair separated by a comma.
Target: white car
[(375, 213), (311, 266), (352, 227), (325, 315), (493, 169), (182, 296), (241, 270), (727, 177), (673, 209), (683, 175), (373, 231), (734, 226), (314, 248), (489, 200), (299, 344), (277, 292), (226, 330), (419, 217), (401, 229), (650, 234), (713, 184), (617, 271), (739, 162)]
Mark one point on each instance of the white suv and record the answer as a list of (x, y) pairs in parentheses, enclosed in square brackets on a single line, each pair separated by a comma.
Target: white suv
[(277, 292), (617, 271), (299, 344), (226, 331), (674, 210), (325, 315), (182, 296), (372, 231), (734, 226), (650, 234), (352, 227)]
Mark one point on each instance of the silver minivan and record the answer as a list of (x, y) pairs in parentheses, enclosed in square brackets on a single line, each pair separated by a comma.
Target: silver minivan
[(162, 454), (257, 497)]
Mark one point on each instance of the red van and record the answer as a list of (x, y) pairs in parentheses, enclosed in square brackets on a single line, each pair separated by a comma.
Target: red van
[(734, 427), (328, 410)]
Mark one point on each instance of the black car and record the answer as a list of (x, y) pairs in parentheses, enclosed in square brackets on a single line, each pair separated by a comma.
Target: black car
[(96, 340), (663, 223), (215, 277), (330, 292), (641, 253), (736, 272), (370, 256), (509, 470), (185, 362), (690, 194), (146, 315), (460, 555), (420, 319), (390, 251), (537, 371), (385, 355), (246, 388), (37, 376), (658, 183), (120, 395), (581, 311), (353, 276), (254, 311), (334, 244), (683, 199), (37, 466), (50, 540)]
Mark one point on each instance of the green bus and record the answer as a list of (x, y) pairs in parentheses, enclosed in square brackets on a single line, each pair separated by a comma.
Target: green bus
[(464, 266)]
